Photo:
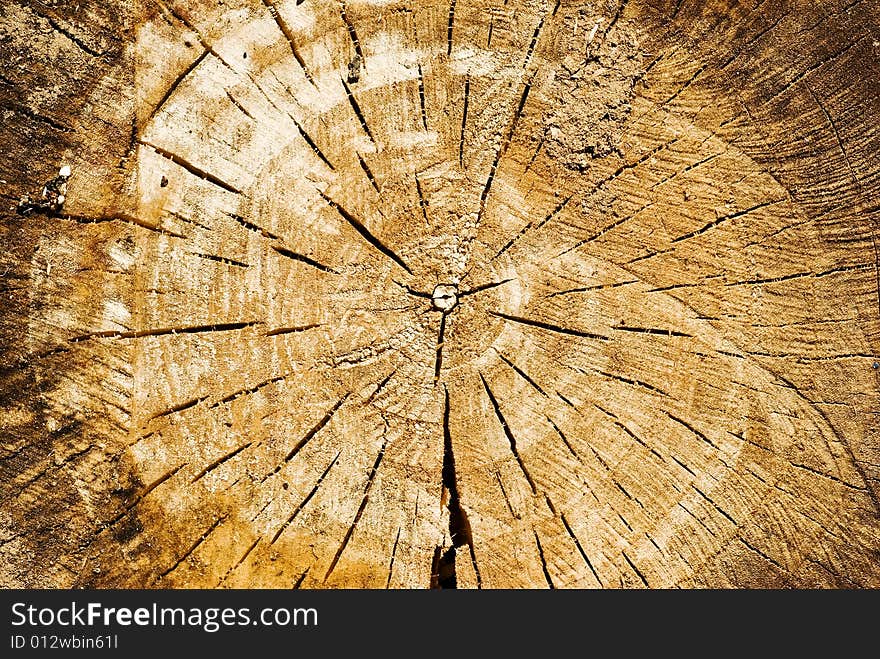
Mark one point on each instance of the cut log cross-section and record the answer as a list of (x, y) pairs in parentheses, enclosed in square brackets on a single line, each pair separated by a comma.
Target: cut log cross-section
[(473, 294)]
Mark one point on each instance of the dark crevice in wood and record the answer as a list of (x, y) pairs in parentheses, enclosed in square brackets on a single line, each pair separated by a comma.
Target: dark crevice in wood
[(464, 114), (125, 218), (815, 67), (221, 259), (299, 580), (635, 569), (315, 429), (737, 53), (164, 331), (830, 477), (219, 461), (422, 100), (365, 233), (536, 35), (302, 504), (714, 505), (617, 14), (845, 268), (360, 511), (177, 82), (250, 226), (693, 430), (598, 234), (438, 355), (725, 218), (509, 434), (484, 287), (535, 154), (292, 330), (250, 390), (239, 561), (288, 34), (647, 256), (683, 466), (195, 546), (450, 27), (140, 497), (459, 526), (312, 145), (391, 562), (502, 149), (627, 167), (177, 408), (290, 254), (767, 558), (550, 327), (650, 330), (629, 432), (54, 467), (770, 280), (675, 287), (369, 173), (687, 84), (51, 17), (352, 33), (188, 220), (380, 387), (238, 104), (356, 108), (543, 561), (192, 169), (634, 382), (437, 557), (689, 168), (423, 204), (513, 513), (628, 495), (310, 434), (597, 287), (565, 440), (580, 549), (35, 116), (696, 517), (529, 226), (522, 374)]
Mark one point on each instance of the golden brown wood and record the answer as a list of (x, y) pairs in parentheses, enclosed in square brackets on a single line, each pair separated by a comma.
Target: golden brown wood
[(380, 293)]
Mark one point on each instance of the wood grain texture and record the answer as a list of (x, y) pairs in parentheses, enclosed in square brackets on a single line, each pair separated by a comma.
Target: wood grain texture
[(412, 294)]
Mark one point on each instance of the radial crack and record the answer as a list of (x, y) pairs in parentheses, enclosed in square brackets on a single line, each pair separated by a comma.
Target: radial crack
[(358, 226), (443, 572), (191, 168), (306, 500), (438, 358), (550, 327), (308, 436), (360, 511), (288, 34), (304, 259), (509, 434)]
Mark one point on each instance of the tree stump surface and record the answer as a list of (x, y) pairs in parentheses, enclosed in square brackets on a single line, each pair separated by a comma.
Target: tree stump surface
[(432, 293)]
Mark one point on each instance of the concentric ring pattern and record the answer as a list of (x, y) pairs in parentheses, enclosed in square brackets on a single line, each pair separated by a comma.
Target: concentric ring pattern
[(587, 410)]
